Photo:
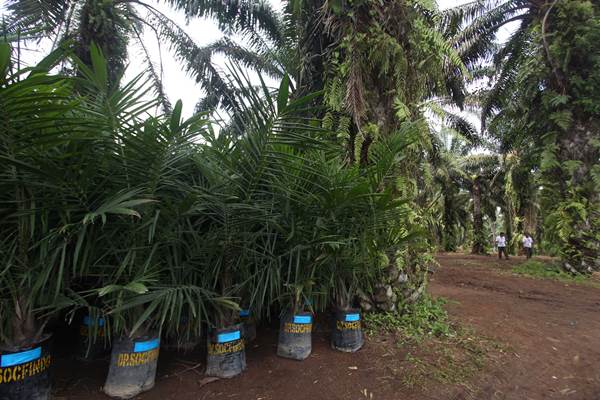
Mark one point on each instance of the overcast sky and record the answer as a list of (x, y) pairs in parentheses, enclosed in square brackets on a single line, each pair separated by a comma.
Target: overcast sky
[(176, 83)]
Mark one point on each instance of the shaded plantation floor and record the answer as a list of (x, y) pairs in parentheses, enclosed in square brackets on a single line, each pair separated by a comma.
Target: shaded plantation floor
[(520, 338)]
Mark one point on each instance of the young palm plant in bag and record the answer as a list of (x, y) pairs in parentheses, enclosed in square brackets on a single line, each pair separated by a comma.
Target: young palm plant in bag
[(42, 128), (358, 214), (247, 170), (296, 325), (134, 233)]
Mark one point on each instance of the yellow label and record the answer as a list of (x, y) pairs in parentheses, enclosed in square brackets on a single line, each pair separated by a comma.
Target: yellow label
[(225, 348), (343, 325), (135, 359), (21, 372), (290, 327)]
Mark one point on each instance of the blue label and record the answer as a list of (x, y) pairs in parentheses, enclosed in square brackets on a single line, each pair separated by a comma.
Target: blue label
[(139, 347), (302, 319), (228, 337), (244, 313), (23, 357), (87, 321), (352, 317)]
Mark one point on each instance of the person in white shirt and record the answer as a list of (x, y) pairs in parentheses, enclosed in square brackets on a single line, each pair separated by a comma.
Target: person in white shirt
[(528, 245), (501, 244)]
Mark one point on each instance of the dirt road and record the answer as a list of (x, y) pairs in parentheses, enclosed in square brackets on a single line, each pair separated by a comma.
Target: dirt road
[(548, 331), (552, 328)]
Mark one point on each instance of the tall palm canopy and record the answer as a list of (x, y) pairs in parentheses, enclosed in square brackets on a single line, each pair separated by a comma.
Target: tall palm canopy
[(114, 25)]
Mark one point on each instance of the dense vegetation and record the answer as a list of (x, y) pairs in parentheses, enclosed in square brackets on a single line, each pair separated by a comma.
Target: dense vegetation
[(334, 188)]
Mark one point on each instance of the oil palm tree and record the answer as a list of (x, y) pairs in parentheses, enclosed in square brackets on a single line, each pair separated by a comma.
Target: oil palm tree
[(482, 173), (111, 25), (452, 196), (536, 88)]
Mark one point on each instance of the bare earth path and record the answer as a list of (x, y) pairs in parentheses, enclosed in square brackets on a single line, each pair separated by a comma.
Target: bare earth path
[(552, 328), (549, 334)]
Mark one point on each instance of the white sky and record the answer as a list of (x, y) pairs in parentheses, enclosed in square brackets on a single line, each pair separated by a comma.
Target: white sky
[(177, 85)]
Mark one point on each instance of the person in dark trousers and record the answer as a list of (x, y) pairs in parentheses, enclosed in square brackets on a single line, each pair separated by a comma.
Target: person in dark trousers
[(501, 244), (528, 245)]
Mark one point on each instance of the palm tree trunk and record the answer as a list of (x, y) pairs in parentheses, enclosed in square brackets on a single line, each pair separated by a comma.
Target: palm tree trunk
[(449, 232), (508, 228), (314, 42), (478, 234), (103, 24), (364, 150)]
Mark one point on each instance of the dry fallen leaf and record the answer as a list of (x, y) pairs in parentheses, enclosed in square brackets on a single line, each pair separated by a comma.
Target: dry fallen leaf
[(567, 391), (207, 380)]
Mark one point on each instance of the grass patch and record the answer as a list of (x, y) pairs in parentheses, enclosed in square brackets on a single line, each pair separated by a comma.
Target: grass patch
[(544, 270), (426, 318), (427, 347), (453, 360)]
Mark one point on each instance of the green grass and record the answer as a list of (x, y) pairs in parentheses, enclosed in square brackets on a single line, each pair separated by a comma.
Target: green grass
[(452, 360), (543, 270), (438, 350), (425, 318)]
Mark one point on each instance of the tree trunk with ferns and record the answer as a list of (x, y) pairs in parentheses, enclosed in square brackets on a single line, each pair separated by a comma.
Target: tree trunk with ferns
[(380, 65), (572, 67), (579, 202)]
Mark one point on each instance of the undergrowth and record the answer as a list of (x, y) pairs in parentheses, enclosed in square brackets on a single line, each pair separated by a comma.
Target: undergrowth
[(416, 321), (544, 270), (428, 347), (451, 360)]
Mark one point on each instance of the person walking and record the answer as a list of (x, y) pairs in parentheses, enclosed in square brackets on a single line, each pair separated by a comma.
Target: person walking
[(501, 244), (528, 245)]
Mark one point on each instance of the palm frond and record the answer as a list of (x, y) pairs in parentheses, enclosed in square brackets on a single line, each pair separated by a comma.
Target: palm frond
[(36, 17), (252, 18), (477, 40)]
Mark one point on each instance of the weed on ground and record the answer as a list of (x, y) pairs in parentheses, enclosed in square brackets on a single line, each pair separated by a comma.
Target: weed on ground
[(423, 346), (551, 270), (426, 318)]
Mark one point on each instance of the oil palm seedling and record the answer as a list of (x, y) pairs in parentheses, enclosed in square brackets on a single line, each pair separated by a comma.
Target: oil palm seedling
[(131, 237), (42, 135)]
